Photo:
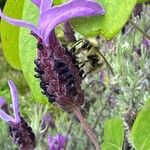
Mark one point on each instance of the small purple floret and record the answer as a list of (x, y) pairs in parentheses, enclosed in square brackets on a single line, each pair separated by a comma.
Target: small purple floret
[(48, 121), (146, 43), (57, 142)]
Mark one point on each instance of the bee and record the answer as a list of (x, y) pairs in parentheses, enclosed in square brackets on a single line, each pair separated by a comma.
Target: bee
[(89, 56)]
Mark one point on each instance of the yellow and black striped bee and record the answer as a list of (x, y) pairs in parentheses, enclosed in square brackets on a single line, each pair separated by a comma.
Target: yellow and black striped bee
[(89, 56)]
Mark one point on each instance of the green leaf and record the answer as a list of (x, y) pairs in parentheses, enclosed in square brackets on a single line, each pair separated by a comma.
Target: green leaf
[(113, 134), (57, 2), (116, 16), (142, 1), (10, 34), (140, 134), (27, 51)]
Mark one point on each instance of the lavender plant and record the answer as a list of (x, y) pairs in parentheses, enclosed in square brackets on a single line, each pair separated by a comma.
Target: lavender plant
[(60, 77), (105, 96)]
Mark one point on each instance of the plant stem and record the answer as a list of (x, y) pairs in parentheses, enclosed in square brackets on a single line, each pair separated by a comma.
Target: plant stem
[(139, 29), (99, 115), (69, 130), (87, 128), (95, 124)]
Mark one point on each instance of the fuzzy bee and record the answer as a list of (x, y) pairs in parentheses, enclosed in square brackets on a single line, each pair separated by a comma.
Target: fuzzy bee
[(89, 56)]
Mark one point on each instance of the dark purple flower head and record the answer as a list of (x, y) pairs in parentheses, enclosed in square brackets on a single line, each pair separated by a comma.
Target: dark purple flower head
[(52, 16), (19, 130), (57, 142)]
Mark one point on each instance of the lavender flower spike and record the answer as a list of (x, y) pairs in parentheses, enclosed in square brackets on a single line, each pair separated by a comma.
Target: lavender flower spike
[(50, 17), (57, 142), (19, 130), (56, 67)]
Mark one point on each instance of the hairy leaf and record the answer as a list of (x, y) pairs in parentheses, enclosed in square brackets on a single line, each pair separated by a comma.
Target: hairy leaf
[(113, 134), (10, 34), (27, 51), (140, 134), (116, 16)]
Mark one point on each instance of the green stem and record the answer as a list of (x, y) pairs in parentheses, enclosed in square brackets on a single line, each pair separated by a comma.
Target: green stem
[(68, 132), (139, 29)]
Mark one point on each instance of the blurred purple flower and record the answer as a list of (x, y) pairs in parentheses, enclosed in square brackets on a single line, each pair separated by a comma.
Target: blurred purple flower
[(57, 142), (138, 10), (101, 77), (52, 16), (3, 105), (48, 121), (146, 43), (19, 130)]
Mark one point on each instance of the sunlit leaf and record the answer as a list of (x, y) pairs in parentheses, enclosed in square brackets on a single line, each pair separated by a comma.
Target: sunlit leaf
[(10, 34), (113, 134), (116, 16), (57, 2), (140, 134), (27, 51)]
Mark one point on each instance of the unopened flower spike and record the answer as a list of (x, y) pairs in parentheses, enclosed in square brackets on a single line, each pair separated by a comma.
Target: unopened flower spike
[(19, 130), (56, 67)]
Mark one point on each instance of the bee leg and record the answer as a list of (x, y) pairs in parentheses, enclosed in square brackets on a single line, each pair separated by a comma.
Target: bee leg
[(72, 47), (90, 71)]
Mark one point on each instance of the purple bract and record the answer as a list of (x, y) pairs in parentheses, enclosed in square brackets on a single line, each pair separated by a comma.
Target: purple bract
[(14, 94), (52, 16)]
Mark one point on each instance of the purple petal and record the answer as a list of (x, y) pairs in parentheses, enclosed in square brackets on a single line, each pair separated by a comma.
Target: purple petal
[(14, 94), (19, 23), (45, 5), (37, 3), (62, 140), (57, 142), (5, 117), (75, 8), (2, 101)]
